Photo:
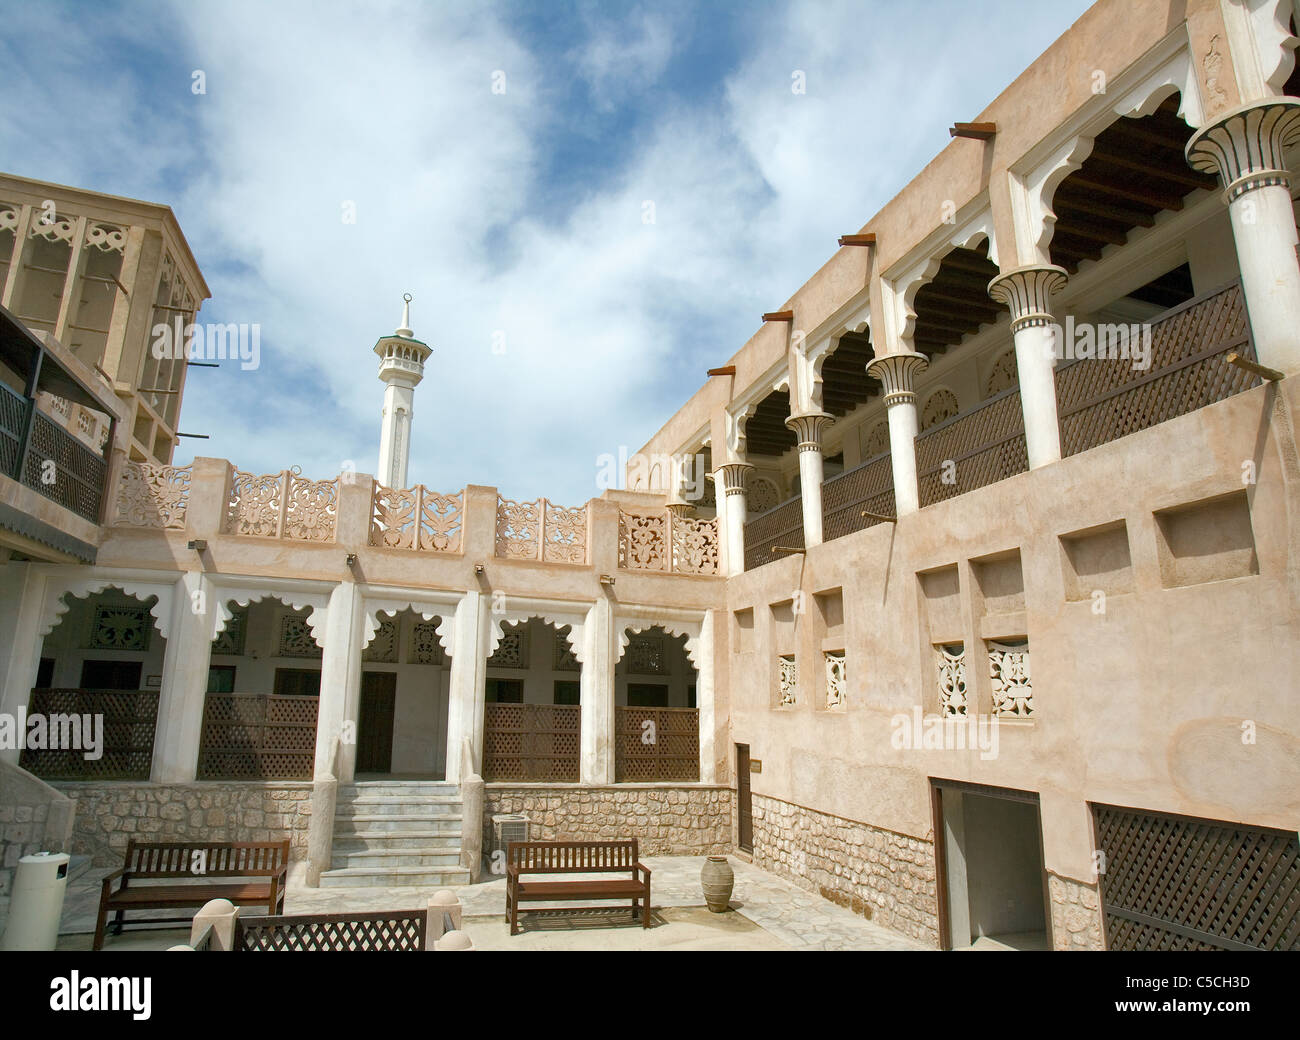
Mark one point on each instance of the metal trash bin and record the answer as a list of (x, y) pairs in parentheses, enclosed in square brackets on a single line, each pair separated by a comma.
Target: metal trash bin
[(36, 902)]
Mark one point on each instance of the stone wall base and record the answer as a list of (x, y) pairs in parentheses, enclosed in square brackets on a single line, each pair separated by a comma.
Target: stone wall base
[(666, 820), (1076, 914), (108, 814), (886, 877)]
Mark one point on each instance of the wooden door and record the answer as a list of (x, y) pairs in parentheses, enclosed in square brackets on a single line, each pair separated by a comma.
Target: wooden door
[(744, 804), (375, 727)]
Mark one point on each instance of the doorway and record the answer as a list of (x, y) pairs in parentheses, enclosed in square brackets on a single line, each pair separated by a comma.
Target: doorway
[(375, 726), (744, 801), (992, 882)]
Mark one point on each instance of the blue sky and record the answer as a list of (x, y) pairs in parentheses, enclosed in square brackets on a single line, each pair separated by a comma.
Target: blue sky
[(512, 217)]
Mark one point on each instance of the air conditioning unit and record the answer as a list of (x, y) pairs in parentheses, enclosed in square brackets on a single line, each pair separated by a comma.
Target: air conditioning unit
[(507, 827)]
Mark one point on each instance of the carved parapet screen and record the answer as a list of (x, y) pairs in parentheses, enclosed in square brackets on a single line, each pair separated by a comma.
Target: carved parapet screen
[(540, 530), (417, 519), (667, 543), (282, 505), (153, 496)]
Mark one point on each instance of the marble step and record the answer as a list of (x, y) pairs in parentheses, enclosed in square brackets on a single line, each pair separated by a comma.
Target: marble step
[(388, 859), (362, 841), (410, 877), (353, 824)]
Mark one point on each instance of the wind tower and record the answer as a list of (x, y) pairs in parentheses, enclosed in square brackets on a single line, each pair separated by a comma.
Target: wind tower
[(401, 367)]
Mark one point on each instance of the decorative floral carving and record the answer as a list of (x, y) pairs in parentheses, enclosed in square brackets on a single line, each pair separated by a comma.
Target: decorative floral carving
[(296, 639), (664, 542), (426, 648), (108, 237), (835, 689), (645, 655), (939, 406), (518, 529), (9, 212), (761, 494), (282, 505), (789, 680), (394, 515), (510, 652), (121, 627), (952, 679), (383, 648), (231, 638), (255, 504), (1013, 691), (55, 229), (695, 545), (312, 509), (643, 542), (441, 517), (564, 659), (565, 534), (1003, 375), (875, 441), (541, 531), (153, 496)]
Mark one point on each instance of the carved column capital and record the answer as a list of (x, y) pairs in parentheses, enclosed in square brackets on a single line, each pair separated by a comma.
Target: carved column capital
[(1026, 291), (808, 428), (898, 372), (733, 477), (1244, 146)]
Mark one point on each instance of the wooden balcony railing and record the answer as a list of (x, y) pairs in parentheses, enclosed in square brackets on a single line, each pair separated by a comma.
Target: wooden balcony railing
[(258, 736), (531, 742), (978, 447), (129, 720), (845, 496), (780, 525), (1099, 401), (39, 453), (656, 744)]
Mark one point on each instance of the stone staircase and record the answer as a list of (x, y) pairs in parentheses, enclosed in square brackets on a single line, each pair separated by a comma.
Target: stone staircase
[(391, 833)]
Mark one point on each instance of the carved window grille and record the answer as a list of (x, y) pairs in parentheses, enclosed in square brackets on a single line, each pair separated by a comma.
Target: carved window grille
[(761, 494), (154, 496), (564, 659), (383, 647), (835, 687), (426, 648), (1013, 690), (282, 505), (512, 651), (541, 530), (789, 681), (663, 542), (875, 440), (940, 405), (121, 627), (1003, 375), (295, 637), (231, 639), (397, 515), (646, 655), (951, 675)]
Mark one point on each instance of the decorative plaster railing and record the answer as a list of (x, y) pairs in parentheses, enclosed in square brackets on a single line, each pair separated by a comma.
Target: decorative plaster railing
[(846, 495), (153, 496), (781, 525), (531, 742), (397, 515), (130, 718), (258, 736), (542, 531), (673, 753), (1099, 401), (978, 447), (282, 505), (667, 543)]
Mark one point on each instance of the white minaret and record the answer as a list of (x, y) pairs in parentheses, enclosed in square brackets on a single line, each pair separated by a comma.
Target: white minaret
[(401, 367)]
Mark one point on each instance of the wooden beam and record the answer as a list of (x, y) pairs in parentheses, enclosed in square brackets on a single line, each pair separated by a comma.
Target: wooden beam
[(1158, 199), (957, 261), (725, 370), (1091, 232), (779, 316), (869, 239), (972, 302), (1186, 175), (975, 131), (1105, 210), (1263, 371)]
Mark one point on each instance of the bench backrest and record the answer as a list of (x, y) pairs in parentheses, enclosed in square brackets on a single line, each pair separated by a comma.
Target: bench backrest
[(206, 859), (577, 857)]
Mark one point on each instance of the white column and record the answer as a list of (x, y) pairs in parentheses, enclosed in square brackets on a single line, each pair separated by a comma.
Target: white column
[(704, 674), (599, 656), (1026, 291), (808, 428), (340, 686), (737, 512), (897, 372), (1245, 148), (22, 596), (184, 682), (468, 675)]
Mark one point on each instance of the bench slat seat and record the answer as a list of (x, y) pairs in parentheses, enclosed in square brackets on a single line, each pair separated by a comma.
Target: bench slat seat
[(189, 895), (575, 857)]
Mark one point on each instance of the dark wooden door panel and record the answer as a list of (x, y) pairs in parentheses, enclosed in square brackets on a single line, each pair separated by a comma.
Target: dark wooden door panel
[(378, 709), (744, 801)]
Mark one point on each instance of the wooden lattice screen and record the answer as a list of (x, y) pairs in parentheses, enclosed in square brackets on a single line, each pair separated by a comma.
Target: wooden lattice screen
[(1101, 401), (667, 750), (392, 931), (531, 742), (869, 487), (781, 525), (130, 718), (258, 736), (1181, 883), (985, 445)]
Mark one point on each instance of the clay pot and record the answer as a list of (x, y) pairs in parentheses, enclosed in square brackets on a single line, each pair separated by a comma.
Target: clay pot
[(717, 881)]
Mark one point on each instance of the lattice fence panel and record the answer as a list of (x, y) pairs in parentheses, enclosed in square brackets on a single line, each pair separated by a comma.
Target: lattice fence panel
[(780, 526), (532, 742), (258, 736), (984, 445), (129, 720), (668, 749), (78, 473), (394, 931), (869, 487), (1179, 883), (1099, 401)]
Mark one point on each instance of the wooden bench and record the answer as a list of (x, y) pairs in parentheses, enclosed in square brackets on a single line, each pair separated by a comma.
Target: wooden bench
[(575, 857), (223, 870)]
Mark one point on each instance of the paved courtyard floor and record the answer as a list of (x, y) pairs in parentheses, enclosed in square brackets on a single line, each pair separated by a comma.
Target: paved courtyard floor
[(766, 913)]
